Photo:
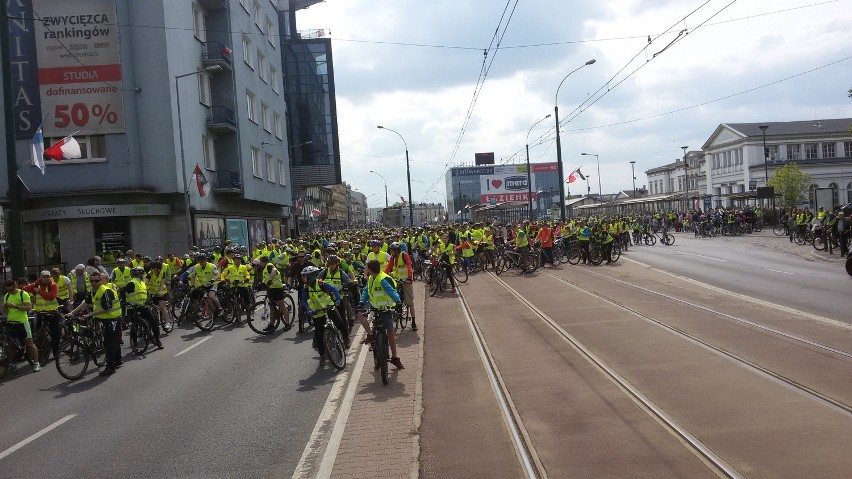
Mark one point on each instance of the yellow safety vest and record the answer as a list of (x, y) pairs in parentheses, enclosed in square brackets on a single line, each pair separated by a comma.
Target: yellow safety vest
[(318, 299), (139, 294), (521, 239), (63, 288), (203, 275), (42, 305), (382, 257), (73, 278), (379, 299), (335, 279), (267, 277), (122, 277), (400, 269), (237, 275), (153, 283), (115, 311)]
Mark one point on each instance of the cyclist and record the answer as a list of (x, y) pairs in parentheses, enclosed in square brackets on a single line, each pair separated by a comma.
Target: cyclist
[(377, 254), (316, 296), (107, 309), (335, 276), (584, 235), (399, 268), (63, 287), (522, 246), (82, 286), (44, 291), (205, 274), (156, 283), (275, 283), (136, 293), (16, 303), (382, 296), (237, 275)]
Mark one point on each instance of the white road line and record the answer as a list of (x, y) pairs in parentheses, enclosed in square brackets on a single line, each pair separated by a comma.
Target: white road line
[(701, 256), (194, 345), (37, 435), (316, 460), (777, 271)]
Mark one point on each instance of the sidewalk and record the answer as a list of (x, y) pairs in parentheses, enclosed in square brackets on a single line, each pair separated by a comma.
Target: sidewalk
[(382, 433)]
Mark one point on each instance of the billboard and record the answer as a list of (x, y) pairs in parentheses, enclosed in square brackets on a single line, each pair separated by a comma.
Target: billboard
[(484, 158), (512, 186), (79, 67)]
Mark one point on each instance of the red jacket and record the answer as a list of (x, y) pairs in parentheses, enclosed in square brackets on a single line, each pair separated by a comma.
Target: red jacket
[(48, 292)]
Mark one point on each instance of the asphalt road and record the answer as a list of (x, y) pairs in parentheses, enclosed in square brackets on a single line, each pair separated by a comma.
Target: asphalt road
[(817, 287), (236, 405)]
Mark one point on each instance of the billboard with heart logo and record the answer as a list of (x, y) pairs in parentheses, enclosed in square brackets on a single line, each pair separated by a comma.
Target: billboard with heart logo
[(505, 187)]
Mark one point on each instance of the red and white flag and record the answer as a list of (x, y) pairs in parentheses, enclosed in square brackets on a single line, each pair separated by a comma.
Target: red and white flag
[(315, 212), (65, 149), (300, 202), (200, 181)]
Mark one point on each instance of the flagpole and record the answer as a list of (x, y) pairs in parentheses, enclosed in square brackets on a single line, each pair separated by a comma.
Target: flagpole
[(15, 225)]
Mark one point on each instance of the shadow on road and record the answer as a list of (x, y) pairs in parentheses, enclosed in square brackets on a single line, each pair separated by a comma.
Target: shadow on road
[(319, 378), (378, 392), (89, 381)]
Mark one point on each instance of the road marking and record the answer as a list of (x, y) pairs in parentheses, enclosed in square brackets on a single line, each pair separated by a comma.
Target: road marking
[(37, 435), (316, 462), (194, 345), (777, 271), (701, 256)]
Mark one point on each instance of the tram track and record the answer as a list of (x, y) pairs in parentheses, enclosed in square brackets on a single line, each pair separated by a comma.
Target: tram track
[(780, 378), (704, 453)]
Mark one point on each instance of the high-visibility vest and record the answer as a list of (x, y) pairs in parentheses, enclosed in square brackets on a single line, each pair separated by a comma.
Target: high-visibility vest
[(268, 276), (238, 275), (139, 294), (154, 283), (203, 275), (334, 278), (42, 305), (115, 311), (63, 287), (122, 276), (73, 278), (584, 233), (400, 268), (379, 299), (318, 299), (521, 239), (137, 263), (381, 256)]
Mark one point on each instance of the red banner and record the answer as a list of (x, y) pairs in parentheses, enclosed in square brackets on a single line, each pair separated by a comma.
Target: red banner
[(87, 74), (504, 197)]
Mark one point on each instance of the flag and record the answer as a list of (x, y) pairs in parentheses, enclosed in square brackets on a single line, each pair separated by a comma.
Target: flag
[(403, 199), (459, 212), (315, 212), (200, 180), (539, 191), (467, 206), (300, 202), (65, 149), (582, 176), (38, 149), (571, 178), (226, 51)]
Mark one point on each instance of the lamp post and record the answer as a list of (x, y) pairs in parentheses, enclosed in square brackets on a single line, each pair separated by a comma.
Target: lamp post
[(633, 173), (765, 155), (559, 143), (529, 170), (407, 173), (685, 177), (597, 160), (588, 188), (386, 185), (211, 68)]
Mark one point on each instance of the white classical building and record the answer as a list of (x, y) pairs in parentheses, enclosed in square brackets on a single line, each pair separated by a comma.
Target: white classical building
[(735, 162)]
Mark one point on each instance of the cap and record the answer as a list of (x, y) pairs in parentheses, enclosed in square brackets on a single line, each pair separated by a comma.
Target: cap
[(121, 260), (45, 273), (80, 267)]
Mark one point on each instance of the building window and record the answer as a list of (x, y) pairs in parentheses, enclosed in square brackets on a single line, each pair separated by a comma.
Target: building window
[(204, 89), (282, 173), (270, 168), (257, 15), (247, 53), (273, 78), (847, 149), (252, 109), (772, 152), (267, 121), (849, 193), (835, 193), (276, 123), (92, 149), (208, 152), (811, 150), (256, 167), (269, 32), (829, 150), (198, 23), (261, 65), (793, 152)]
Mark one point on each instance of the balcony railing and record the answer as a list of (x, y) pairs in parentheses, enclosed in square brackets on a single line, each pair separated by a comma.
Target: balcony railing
[(216, 53), (221, 118), (227, 181)]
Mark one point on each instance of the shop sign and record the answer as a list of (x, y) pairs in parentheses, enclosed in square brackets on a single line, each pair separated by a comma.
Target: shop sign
[(95, 211)]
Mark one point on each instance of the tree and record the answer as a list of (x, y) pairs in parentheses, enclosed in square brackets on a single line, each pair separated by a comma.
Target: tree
[(791, 182)]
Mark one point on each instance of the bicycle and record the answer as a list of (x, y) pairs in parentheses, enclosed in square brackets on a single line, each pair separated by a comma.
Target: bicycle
[(42, 338), (196, 307), (666, 238), (381, 344), (437, 277), (333, 343), (403, 311), (260, 316), (141, 335), (8, 342), (85, 342)]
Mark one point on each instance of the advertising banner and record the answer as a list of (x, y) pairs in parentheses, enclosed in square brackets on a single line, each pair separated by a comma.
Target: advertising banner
[(505, 187), (79, 67), (25, 93), (238, 232), (491, 199), (209, 232)]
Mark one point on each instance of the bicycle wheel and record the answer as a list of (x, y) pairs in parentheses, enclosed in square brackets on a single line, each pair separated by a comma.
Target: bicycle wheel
[(381, 354), (289, 313), (435, 285), (460, 274), (73, 360), (799, 239), (668, 239), (595, 255), (139, 334), (818, 243), (650, 240), (405, 317), (4, 360), (500, 266), (334, 350), (96, 345), (779, 230), (260, 318), (41, 339), (615, 253), (204, 318)]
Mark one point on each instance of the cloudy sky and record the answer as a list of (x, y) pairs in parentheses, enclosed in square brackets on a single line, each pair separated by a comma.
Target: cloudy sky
[(424, 91)]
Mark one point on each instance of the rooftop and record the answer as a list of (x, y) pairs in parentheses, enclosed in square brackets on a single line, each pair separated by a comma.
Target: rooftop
[(824, 127)]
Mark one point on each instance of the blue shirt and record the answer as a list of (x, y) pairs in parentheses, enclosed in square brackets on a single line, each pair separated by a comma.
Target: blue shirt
[(303, 294), (387, 285)]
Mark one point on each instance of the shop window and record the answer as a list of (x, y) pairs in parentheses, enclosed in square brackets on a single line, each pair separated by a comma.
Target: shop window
[(112, 236), (50, 240)]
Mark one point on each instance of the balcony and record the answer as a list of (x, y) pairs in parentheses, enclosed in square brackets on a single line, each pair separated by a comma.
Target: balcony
[(221, 119), (216, 53), (227, 181), (213, 4)]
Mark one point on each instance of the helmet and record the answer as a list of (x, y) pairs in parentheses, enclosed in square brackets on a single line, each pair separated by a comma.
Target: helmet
[(395, 245), (201, 256), (332, 259), (255, 262), (374, 243), (137, 271), (239, 257), (310, 271)]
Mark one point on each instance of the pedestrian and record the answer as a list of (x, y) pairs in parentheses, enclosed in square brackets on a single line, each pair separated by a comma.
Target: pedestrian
[(842, 229)]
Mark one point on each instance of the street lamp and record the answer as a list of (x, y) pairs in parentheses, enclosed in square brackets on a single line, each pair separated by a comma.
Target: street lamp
[(559, 143), (765, 154), (211, 68), (597, 160), (386, 185), (685, 176), (529, 170), (407, 173), (633, 171), (589, 188)]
